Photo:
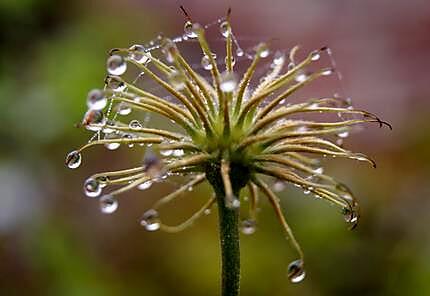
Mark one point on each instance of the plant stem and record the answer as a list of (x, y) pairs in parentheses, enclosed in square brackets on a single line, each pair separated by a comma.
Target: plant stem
[(229, 225)]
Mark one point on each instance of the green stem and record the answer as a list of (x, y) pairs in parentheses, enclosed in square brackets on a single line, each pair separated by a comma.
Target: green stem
[(229, 225)]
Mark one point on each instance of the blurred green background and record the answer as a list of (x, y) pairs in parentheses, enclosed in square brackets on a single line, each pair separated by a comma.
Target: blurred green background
[(54, 241)]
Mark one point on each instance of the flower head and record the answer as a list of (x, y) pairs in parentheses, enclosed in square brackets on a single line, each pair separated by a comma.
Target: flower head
[(225, 125)]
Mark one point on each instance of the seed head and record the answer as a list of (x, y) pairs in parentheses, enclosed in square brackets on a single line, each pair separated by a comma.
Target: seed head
[(225, 122)]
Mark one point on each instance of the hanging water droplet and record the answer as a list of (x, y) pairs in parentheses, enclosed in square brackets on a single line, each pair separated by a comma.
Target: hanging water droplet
[(296, 272), (239, 52), (140, 54), (92, 187), (278, 186), (115, 83), (339, 142), (315, 55), (96, 100), (123, 109), (116, 65), (279, 58), (93, 120), (344, 134), (248, 226), (207, 211), (290, 66), (135, 125), (178, 152), (327, 72), (177, 80), (150, 220), (313, 106), (263, 50), (73, 159), (350, 216), (145, 185), (225, 29), (319, 170), (108, 204), (206, 63), (189, 30), (228, 82), (232, 203), (301, 77), (112, 146), (306, 191), (167, 152)]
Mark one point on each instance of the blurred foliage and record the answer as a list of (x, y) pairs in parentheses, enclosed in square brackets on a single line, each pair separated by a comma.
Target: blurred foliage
[(57, 243)]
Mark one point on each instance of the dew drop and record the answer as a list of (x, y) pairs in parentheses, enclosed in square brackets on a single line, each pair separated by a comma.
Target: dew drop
[(135, 125), (319, 170), (224, 28), (150, 220), (301, 77), (140, 54), (228, 82), (123, 109), (177, 80), (93, 120), (240, 52), (278, 59), (145, 185), (189, 31), (263, 50), (206, 63), (178, 152), (108, 204), (315, 55), (278, 186), (232, 203), (115, 83), (116, 65), (92, 187), (296, 273), (343, 134), (96, 100), (112, 146), (350, 216), (207, 211), (167, 152), (248, 226), (327, 72), (73, 159)]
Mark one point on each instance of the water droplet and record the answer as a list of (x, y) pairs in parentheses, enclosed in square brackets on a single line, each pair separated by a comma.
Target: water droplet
[(263, 50), (108, 204), (240, 52), (145, 185), (350, 216), (177, 80), (152, 164), (206, 63), (135, 125), (207, 211), (150, 220), (167, 152), (140, 54), (224, 28), (327, 72), (278, 186), (315, 55), (233, 61), (232, 203), (93, 120), (343, 134), (112, 146), (92, 187), (73, 159), (178, 152), (301, 77), (116, 65), (313, 106), (278, 59), (123, 109), (189, 30), (96, 100), (319, 170), (296, 273), (306, 191), (248, 226), (228, 82), (115, 83)]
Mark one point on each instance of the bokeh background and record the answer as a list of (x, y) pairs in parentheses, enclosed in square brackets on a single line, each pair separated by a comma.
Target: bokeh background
[(54, 241)]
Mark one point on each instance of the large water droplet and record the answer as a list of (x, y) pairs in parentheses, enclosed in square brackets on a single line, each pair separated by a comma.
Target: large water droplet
[(301, 77), (315, 55), (343, 134), (135, 125), (206, 63), (115, 83), (327, 72), (228, 82), (279, 58), (108, 204), (248, 226), (350, 216), (296, 272), (263, 50), (140, 54), (96, 100), (224, 28), (319, 170), (189, 30), (150, 220), (73, 159), (240, 52), (93, 120), (145, 185), (92, 187), (123, 109), (232, 203), (116, 65), (279, 186)]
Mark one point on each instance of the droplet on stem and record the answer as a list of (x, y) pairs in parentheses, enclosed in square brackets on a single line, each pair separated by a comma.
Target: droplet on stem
[(135, 125), (108, 204), (150, 220), (73, 159), (189, 30), (115, 83), (96, 100), (225, 29), (296, 272), (228, 82), (248, 226), (92, 187), (140, 54), (206, 63), (116, 65)]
